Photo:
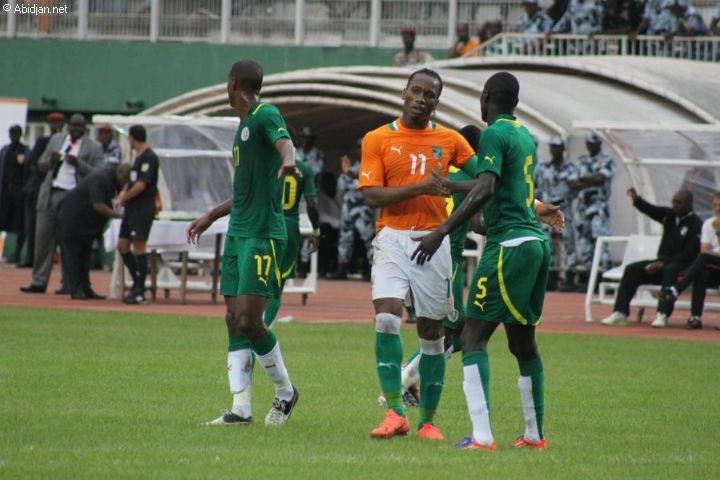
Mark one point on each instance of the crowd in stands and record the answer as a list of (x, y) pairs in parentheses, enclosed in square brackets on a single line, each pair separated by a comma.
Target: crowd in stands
[(663, 18)]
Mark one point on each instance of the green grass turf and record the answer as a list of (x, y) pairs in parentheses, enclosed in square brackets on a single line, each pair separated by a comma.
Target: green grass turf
[(109, 395)]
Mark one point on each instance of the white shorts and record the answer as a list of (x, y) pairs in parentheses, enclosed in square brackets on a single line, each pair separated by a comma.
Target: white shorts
[(393, 273)]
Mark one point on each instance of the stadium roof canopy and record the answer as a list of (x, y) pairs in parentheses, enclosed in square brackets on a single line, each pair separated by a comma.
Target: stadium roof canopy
[(660, 111)]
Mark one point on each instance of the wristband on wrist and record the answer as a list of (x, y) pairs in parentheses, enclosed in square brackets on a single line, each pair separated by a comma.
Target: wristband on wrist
[(316, 232)]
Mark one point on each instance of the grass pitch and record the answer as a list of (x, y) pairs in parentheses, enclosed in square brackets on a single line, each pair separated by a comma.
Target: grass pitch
[(109, 395)]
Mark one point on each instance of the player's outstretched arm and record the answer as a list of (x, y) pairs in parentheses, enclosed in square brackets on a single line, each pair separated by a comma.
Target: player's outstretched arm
[(454, 187), (550, 214), (199, 225), (482, 192), (285, 148), (378, 197)]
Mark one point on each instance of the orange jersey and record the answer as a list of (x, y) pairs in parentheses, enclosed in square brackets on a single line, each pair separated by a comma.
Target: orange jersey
[(395, 156)]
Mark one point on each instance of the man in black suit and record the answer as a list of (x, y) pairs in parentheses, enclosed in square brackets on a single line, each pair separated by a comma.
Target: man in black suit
[(83, 214), (679, 246)]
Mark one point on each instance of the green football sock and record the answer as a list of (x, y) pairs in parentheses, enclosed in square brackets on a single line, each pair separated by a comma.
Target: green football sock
[(432, 377), (265, 344), (388, 356), (532, 394), (271, 311), (238, 342)]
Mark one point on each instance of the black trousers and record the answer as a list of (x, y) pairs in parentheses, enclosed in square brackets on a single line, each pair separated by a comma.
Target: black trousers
[(30, 217), (701, 274), (636, 275), (76, 251)]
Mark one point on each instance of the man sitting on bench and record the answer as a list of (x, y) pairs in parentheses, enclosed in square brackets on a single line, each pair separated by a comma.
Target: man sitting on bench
[(679, 246), (703, 272)]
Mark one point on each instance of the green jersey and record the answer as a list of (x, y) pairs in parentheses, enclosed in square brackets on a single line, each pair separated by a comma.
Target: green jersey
[(294, 187), (257, 210), (458, 237), (507, 149)]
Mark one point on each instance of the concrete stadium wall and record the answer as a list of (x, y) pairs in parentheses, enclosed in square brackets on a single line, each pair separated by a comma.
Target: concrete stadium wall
[(99, 76)]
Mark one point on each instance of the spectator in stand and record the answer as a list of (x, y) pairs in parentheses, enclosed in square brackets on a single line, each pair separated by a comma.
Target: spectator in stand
[(464, 43), (557, 10), (581, 18), (715, 20), (410, 55), (655, 21), (533, 21), (621, 17), (689, 21), (489, 29)]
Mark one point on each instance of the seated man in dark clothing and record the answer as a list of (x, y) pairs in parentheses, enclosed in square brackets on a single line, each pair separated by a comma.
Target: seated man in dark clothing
[(679, 245), (83, 214), (704, 271)]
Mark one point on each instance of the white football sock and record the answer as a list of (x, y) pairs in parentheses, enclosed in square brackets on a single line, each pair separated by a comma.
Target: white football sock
[(411, 373), (274, 368), (240, 367), (528, 406), (477, 405)]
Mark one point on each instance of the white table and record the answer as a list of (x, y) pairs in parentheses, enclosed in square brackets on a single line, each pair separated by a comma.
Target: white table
[(169, 236)]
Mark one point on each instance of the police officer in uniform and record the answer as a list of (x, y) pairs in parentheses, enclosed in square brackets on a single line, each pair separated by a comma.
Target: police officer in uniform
[(595, 171), (552, 186), (356, 218), (582, 17)]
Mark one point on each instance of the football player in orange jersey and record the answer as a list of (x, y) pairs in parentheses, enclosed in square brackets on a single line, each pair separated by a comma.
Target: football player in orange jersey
[(396, 177)]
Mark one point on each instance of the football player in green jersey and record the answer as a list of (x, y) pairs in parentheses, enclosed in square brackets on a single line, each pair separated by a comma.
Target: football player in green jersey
[(508, 286), (295, 187), (262, 152)]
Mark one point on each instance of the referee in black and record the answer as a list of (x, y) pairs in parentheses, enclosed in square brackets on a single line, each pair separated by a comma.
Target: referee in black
[(138, 199)]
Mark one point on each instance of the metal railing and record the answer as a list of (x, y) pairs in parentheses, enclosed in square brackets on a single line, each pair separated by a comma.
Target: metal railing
[(310, 22), (517, 44), (692, 48), (282, 22)]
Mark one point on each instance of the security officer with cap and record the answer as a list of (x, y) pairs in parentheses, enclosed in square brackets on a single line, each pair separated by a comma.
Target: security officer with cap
[(356, 218), (595, 171), (552, 185), (308, 152)]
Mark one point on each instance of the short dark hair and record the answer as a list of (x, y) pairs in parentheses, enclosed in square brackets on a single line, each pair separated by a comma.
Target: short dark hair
[(248, 75), (504, 90), (15, 129), (138, 133), (429, 72), (472, 134)]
